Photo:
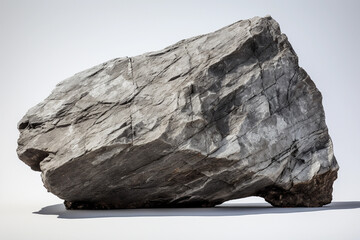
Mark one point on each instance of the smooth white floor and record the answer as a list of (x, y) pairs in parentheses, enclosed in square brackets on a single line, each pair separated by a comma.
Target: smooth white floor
[(247, 219)]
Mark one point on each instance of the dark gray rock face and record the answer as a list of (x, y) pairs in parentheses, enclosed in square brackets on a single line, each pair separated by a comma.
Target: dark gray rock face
[(216, 117)]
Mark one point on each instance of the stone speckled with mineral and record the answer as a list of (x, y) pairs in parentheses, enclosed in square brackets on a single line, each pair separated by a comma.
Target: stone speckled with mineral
[(220, 116)]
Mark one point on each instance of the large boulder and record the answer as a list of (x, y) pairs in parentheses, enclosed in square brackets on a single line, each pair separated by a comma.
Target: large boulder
[(220, 116)]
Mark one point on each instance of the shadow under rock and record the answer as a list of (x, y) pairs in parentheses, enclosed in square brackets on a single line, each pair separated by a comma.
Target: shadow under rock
[(226, 209)]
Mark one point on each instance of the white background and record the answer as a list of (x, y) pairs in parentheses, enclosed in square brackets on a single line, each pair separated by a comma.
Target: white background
[(44, 42)]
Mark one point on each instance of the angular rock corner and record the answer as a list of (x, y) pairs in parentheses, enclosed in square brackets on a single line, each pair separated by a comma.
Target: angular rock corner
[(220, 116)]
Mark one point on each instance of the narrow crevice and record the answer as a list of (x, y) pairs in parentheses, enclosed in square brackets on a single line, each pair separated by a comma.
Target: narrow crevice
[(191, 104), (175, 77), (288, 96), (189, 56), (131, 71), (132, 130)]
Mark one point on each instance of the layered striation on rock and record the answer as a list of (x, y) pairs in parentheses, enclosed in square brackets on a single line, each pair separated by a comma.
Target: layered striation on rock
[(220, 116)]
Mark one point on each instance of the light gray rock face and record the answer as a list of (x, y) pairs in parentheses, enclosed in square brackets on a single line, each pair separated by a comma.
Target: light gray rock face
[(221, 116)]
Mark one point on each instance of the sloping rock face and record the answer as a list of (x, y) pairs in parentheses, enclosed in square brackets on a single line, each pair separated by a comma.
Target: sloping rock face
[(216, 117)]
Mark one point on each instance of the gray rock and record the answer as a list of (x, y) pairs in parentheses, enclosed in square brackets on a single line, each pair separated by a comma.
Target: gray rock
[(220, 116)]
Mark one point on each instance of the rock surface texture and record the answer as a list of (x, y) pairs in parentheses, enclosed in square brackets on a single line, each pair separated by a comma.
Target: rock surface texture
[(220, 116)]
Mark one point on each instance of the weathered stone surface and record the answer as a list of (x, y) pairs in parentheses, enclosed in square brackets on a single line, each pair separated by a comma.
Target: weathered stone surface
[(216, 117)]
